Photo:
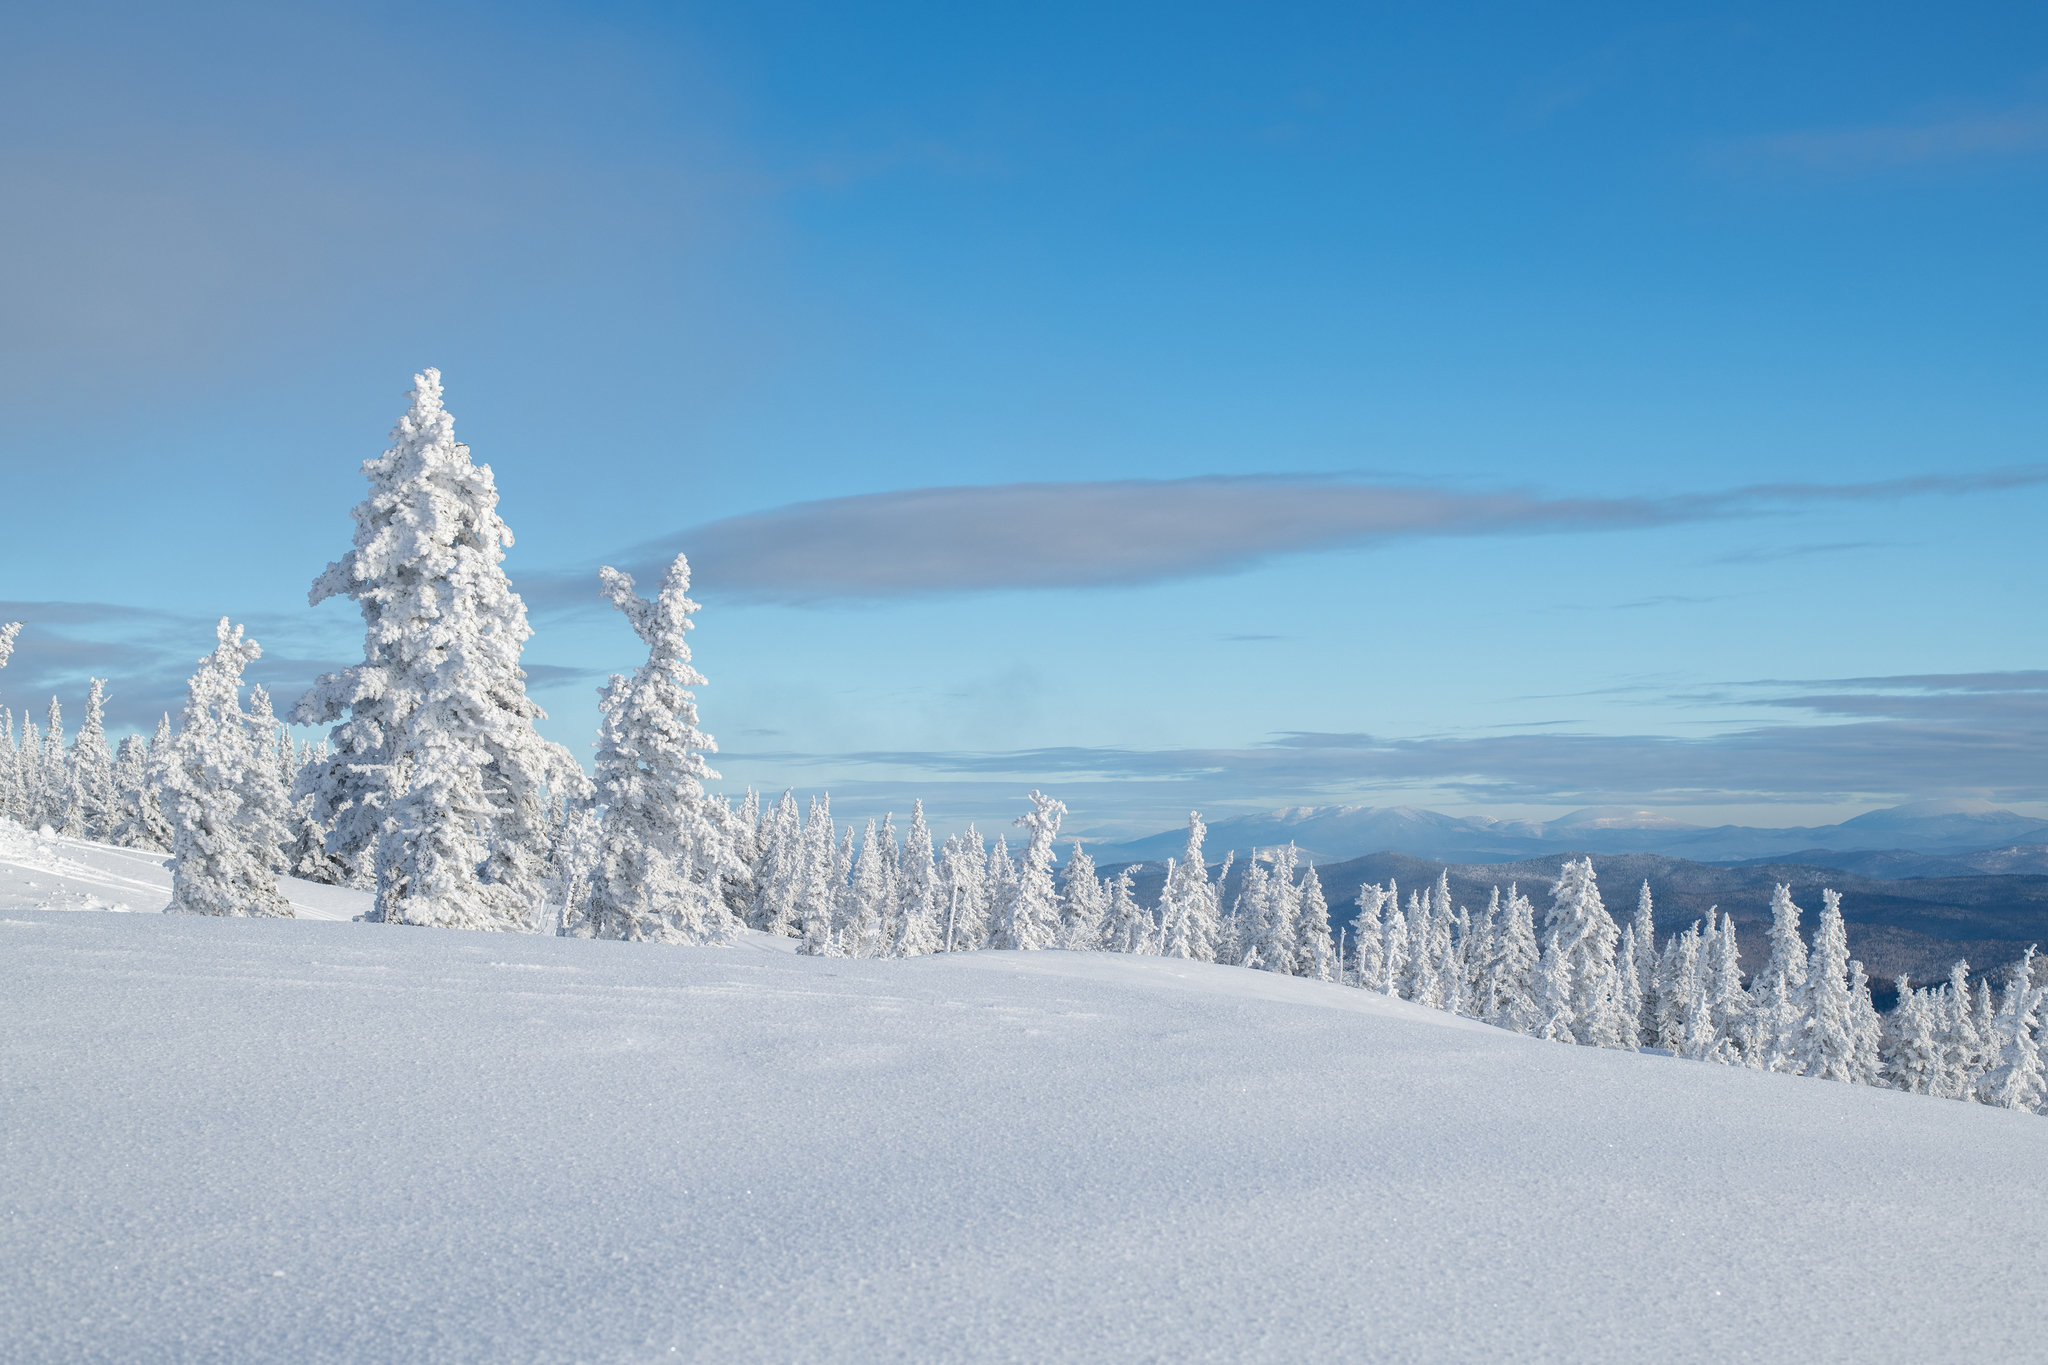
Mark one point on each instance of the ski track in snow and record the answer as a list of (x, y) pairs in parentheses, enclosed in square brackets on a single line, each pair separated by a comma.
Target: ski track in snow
[(330, 1142), (55, 873)]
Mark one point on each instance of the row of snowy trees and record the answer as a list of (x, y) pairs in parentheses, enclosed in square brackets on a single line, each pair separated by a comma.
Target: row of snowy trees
[(1580, 977), (435, 791)]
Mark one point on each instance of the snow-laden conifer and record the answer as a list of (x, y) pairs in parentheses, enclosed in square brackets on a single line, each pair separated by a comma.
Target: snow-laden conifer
[(1912, 1050), (1554, 993), (1196, 909), (1129, 924), (1866, 1050), (868, 891), (659, 877), (660, 855), (817, 903), (1369, 951), (918, 913), (1084, 903), (436, 786), (1630, 996), (1511, 975), (225, 821), (1727, 998), (2016, 1080), (963, 891), (131, 768), (998, 888), (1394, 942), (1028, 917), (1645, 940), (1314, 955), (93, 809), (1825, 1044), (1586, 936), (1777, 1016)]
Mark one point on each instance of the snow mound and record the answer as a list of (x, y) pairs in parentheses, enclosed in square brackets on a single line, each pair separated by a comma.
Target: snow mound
[(40, 871), (334, 1142)]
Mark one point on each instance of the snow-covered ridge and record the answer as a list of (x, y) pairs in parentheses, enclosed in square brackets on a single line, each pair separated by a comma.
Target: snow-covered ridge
[(40, 870), (280, 1141)]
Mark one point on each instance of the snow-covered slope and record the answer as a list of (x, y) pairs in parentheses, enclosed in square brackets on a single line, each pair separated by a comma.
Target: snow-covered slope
[(40, 871), (311, 1142)]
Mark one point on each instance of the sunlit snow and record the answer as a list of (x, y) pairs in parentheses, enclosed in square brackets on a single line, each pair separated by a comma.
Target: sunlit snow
[(298, 1141)]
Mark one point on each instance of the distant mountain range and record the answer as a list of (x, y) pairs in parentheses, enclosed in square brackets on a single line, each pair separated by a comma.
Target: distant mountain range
[(1920, 839)]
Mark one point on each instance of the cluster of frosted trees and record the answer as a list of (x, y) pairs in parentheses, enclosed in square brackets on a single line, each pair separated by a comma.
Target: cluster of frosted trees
[(1582, 978)]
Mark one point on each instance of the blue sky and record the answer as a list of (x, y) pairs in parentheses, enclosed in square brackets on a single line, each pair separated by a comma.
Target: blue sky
[(1472, 406)]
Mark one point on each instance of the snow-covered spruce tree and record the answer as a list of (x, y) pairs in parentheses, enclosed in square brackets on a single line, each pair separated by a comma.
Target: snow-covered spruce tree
[(817, 903), (1393, 942), (1195, 901), (1084, 903), (1314, 954), (1728, 1000), (1280, 926), (1244, 933), (664, 856), (1029, 915), (1630, 997), (221, 796), (1129, 925), (1645, 940), (1511, 979), (131, 766), (1777, 1018), (779, 872), (1912, 1051), (1421, 984), (10, 780), (1368, 952), (436, 788), (963, 892), (1866, 1053), (1554, 993), (93, 809), (2017, 1081), (919, 928), (1963, 1047), (868, 895), (1586, 936), (1825, 1046), (998, 886), (51, 793)]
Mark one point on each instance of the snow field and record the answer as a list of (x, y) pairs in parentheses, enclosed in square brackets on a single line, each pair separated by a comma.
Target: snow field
[(291, 1141), (49, 872)]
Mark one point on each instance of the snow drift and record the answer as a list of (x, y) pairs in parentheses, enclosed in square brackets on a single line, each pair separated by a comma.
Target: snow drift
[(301, 1141)]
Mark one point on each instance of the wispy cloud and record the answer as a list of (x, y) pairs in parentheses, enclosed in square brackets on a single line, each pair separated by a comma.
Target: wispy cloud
[(1771, 554), (1966, 138), (924, 541), (1905, 737)]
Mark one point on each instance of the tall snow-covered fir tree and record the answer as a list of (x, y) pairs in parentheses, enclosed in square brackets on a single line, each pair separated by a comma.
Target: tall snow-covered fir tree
[(1825, 1044), (1028, 917), (1197, 922), (93, 809), (221, 794), (1314, 955), (435, 788), (658, 876), (1586, 937), (1084, 903), (920, 927), (1776, 1015), (2016, 1080)]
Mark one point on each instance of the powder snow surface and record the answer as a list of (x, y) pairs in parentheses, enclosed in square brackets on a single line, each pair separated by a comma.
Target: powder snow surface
[(46, 872), (307, 1142)]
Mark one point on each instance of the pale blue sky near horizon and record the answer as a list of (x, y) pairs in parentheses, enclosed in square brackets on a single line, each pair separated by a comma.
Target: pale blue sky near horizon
[(1467, 406)]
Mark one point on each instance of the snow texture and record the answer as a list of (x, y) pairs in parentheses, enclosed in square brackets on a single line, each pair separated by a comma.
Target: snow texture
[(282, 1140), (49, 872)]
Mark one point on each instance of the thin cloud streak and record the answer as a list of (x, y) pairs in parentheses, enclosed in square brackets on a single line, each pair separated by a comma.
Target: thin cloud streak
[(1977, 137), (1126, 533), (1964, 741)]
